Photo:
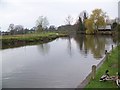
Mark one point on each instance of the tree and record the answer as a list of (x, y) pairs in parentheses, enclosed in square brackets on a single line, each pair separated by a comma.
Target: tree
[(114, 25), (81, 21), (96, 20), (16, 29), (52, 28), (69, 20), (19, 29), (11, 27), (80, 24), (42, 23), (98, 17), (83, 15), (89, 26)]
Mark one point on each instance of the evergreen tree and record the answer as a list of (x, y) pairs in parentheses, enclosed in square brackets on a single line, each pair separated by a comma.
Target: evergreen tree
[(79, 25)]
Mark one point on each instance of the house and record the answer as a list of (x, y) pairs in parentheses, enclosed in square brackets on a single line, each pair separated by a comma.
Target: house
[(5, 33), (31, 31), (106, 28)]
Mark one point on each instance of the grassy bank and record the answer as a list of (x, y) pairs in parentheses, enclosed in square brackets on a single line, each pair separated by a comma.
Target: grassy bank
[(110, 64), (28, 39)]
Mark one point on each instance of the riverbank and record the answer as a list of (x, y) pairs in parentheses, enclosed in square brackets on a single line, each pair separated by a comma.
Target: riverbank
[(10, 41), (110, 64)]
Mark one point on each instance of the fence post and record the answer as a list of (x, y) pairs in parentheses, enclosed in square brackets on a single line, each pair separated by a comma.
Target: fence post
[(105, 52), (93, 71), (112, 47)]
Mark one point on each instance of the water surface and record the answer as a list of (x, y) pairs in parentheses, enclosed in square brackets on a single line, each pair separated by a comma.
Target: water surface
[(62, 63)]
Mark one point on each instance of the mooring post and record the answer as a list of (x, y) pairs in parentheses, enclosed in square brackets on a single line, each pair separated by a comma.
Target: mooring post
[(93, 71), (105, 52), (112, 47)]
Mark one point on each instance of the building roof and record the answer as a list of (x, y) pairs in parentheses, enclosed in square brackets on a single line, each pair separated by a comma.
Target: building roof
[(107, 27)]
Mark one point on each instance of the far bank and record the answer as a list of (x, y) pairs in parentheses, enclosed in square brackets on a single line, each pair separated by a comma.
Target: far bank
[(9, 41)]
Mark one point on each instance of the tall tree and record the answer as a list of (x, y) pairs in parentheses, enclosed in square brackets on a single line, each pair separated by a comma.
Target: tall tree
[(85, 16), (11, 27), (81, 21), (98, 17), (80, 27), (96, 20), (69, 20), (42, 23), (89, 26)]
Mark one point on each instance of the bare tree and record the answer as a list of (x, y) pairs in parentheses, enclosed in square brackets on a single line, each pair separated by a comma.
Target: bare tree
[(42, 23), (84, 15), (68, 20), (11, 27)]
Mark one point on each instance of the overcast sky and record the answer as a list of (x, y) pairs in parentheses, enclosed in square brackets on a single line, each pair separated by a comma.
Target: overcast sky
[(26, 12)]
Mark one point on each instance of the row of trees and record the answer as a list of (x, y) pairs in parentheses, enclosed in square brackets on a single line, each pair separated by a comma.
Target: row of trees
[(18, 29), (90, 23), (85, 23), (41, 25)]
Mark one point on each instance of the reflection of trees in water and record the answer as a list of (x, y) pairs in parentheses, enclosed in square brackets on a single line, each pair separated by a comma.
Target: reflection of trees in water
[(70, 52), (116, 39), (81, 42), (94, 44), (44, 48)]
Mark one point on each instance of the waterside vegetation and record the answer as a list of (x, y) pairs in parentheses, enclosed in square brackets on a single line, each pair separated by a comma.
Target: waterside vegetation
[(27, 39)]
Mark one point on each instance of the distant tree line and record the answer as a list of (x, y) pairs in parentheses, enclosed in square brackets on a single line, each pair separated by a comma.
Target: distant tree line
[(84, 24)]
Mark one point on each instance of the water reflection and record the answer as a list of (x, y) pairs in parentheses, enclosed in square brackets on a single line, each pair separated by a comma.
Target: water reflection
[(69, 47), (61, 63), (44, 48), (92, 43)]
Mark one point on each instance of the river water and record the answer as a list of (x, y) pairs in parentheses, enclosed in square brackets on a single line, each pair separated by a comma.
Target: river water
[(62, 63)]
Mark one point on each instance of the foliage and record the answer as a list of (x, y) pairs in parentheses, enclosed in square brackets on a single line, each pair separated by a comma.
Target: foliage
[(98, 17), (79, 24), (20, 40), (81, 21), (89, 26), (114, 25)]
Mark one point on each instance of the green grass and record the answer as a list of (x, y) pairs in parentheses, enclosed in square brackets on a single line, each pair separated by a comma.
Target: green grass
[(28, 39), (112, 65)]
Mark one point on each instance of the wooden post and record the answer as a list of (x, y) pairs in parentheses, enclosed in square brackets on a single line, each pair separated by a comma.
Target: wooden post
[(93, 71), (105, 51), (107, 54), (112, 47)]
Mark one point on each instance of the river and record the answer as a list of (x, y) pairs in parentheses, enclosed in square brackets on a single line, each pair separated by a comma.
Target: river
[(62, 63)]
